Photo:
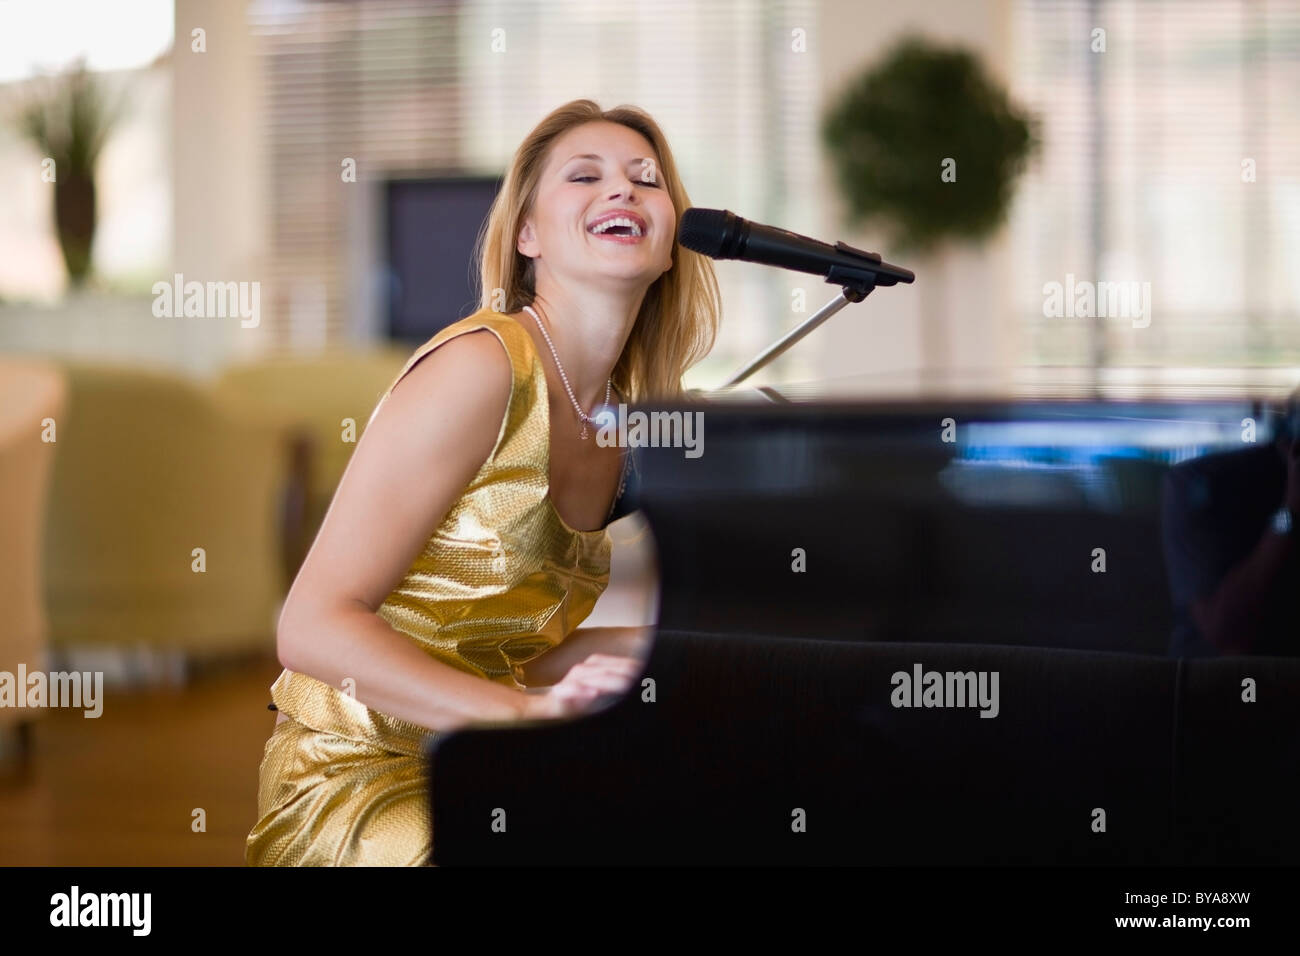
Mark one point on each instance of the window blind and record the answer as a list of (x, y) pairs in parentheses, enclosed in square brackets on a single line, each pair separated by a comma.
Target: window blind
[(1149, 149)]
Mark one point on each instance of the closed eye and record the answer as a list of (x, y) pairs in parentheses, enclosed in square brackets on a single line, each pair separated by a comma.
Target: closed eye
[(583, 179)]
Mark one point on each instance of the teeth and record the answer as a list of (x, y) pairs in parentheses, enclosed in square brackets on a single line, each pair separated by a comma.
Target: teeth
[(597, 229)]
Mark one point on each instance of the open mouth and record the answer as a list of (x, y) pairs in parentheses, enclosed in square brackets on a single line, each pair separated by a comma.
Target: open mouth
[(622, 228)]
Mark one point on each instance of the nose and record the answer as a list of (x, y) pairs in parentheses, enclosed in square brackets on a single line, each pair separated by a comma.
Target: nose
[(626, 186)]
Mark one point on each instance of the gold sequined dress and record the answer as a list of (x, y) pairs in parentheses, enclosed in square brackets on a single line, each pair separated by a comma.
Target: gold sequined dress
[(502, 580)]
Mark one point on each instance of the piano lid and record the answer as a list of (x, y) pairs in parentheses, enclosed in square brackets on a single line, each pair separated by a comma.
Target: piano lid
[(1026, 383)]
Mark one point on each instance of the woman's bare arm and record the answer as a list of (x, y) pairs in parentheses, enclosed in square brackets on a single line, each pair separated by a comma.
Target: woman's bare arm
[(419, 452)]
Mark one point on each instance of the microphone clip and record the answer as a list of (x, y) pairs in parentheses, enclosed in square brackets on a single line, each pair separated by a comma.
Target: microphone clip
[(857, 283)]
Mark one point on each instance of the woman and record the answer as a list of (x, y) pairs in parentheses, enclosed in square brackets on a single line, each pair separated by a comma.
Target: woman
[(467, 539)]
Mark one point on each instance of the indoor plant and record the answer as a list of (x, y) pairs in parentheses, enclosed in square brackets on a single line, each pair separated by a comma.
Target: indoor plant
[(926, 144), (68, 121)]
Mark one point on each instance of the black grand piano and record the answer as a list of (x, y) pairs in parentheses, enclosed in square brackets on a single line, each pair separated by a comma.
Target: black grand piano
[(1047, 622)]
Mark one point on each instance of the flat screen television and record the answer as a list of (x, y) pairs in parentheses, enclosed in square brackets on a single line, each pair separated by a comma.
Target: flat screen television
[(430, 227)]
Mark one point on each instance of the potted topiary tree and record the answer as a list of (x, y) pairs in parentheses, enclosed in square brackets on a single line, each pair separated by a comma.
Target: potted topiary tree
[(68, 122), (926, 144)]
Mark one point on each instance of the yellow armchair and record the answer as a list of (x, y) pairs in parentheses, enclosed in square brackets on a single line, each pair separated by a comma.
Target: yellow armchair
[(315, 395), (164, 525)]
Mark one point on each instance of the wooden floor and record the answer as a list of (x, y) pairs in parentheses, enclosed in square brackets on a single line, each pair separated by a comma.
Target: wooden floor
[(121, 789)]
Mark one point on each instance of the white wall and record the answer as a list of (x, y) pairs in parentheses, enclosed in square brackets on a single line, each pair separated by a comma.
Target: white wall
[(221, 233)]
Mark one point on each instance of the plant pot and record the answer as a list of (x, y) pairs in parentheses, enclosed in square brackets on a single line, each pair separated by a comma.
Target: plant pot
[(74, 219)]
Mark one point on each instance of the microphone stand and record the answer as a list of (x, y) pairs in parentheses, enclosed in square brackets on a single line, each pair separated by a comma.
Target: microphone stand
[(857, 283)]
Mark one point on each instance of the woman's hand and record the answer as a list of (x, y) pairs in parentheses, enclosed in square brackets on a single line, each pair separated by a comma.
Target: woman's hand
[(598, 674), (583, 644)]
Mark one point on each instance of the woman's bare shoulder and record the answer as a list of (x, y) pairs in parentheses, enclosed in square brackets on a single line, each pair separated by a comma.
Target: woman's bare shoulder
[(453, 397)]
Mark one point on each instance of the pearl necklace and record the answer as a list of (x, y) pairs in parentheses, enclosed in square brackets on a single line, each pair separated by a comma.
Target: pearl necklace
[(565, 379)]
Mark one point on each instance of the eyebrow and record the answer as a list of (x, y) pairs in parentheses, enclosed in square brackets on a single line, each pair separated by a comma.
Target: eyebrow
[(639, 159)]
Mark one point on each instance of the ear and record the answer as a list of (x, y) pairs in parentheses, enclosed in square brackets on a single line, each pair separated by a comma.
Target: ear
[(527, 243)]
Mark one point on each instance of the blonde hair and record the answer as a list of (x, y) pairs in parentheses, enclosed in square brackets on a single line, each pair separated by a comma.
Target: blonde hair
[(677, 324)]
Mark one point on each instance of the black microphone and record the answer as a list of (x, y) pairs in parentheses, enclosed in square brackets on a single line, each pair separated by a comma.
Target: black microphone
[(721, 234)]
